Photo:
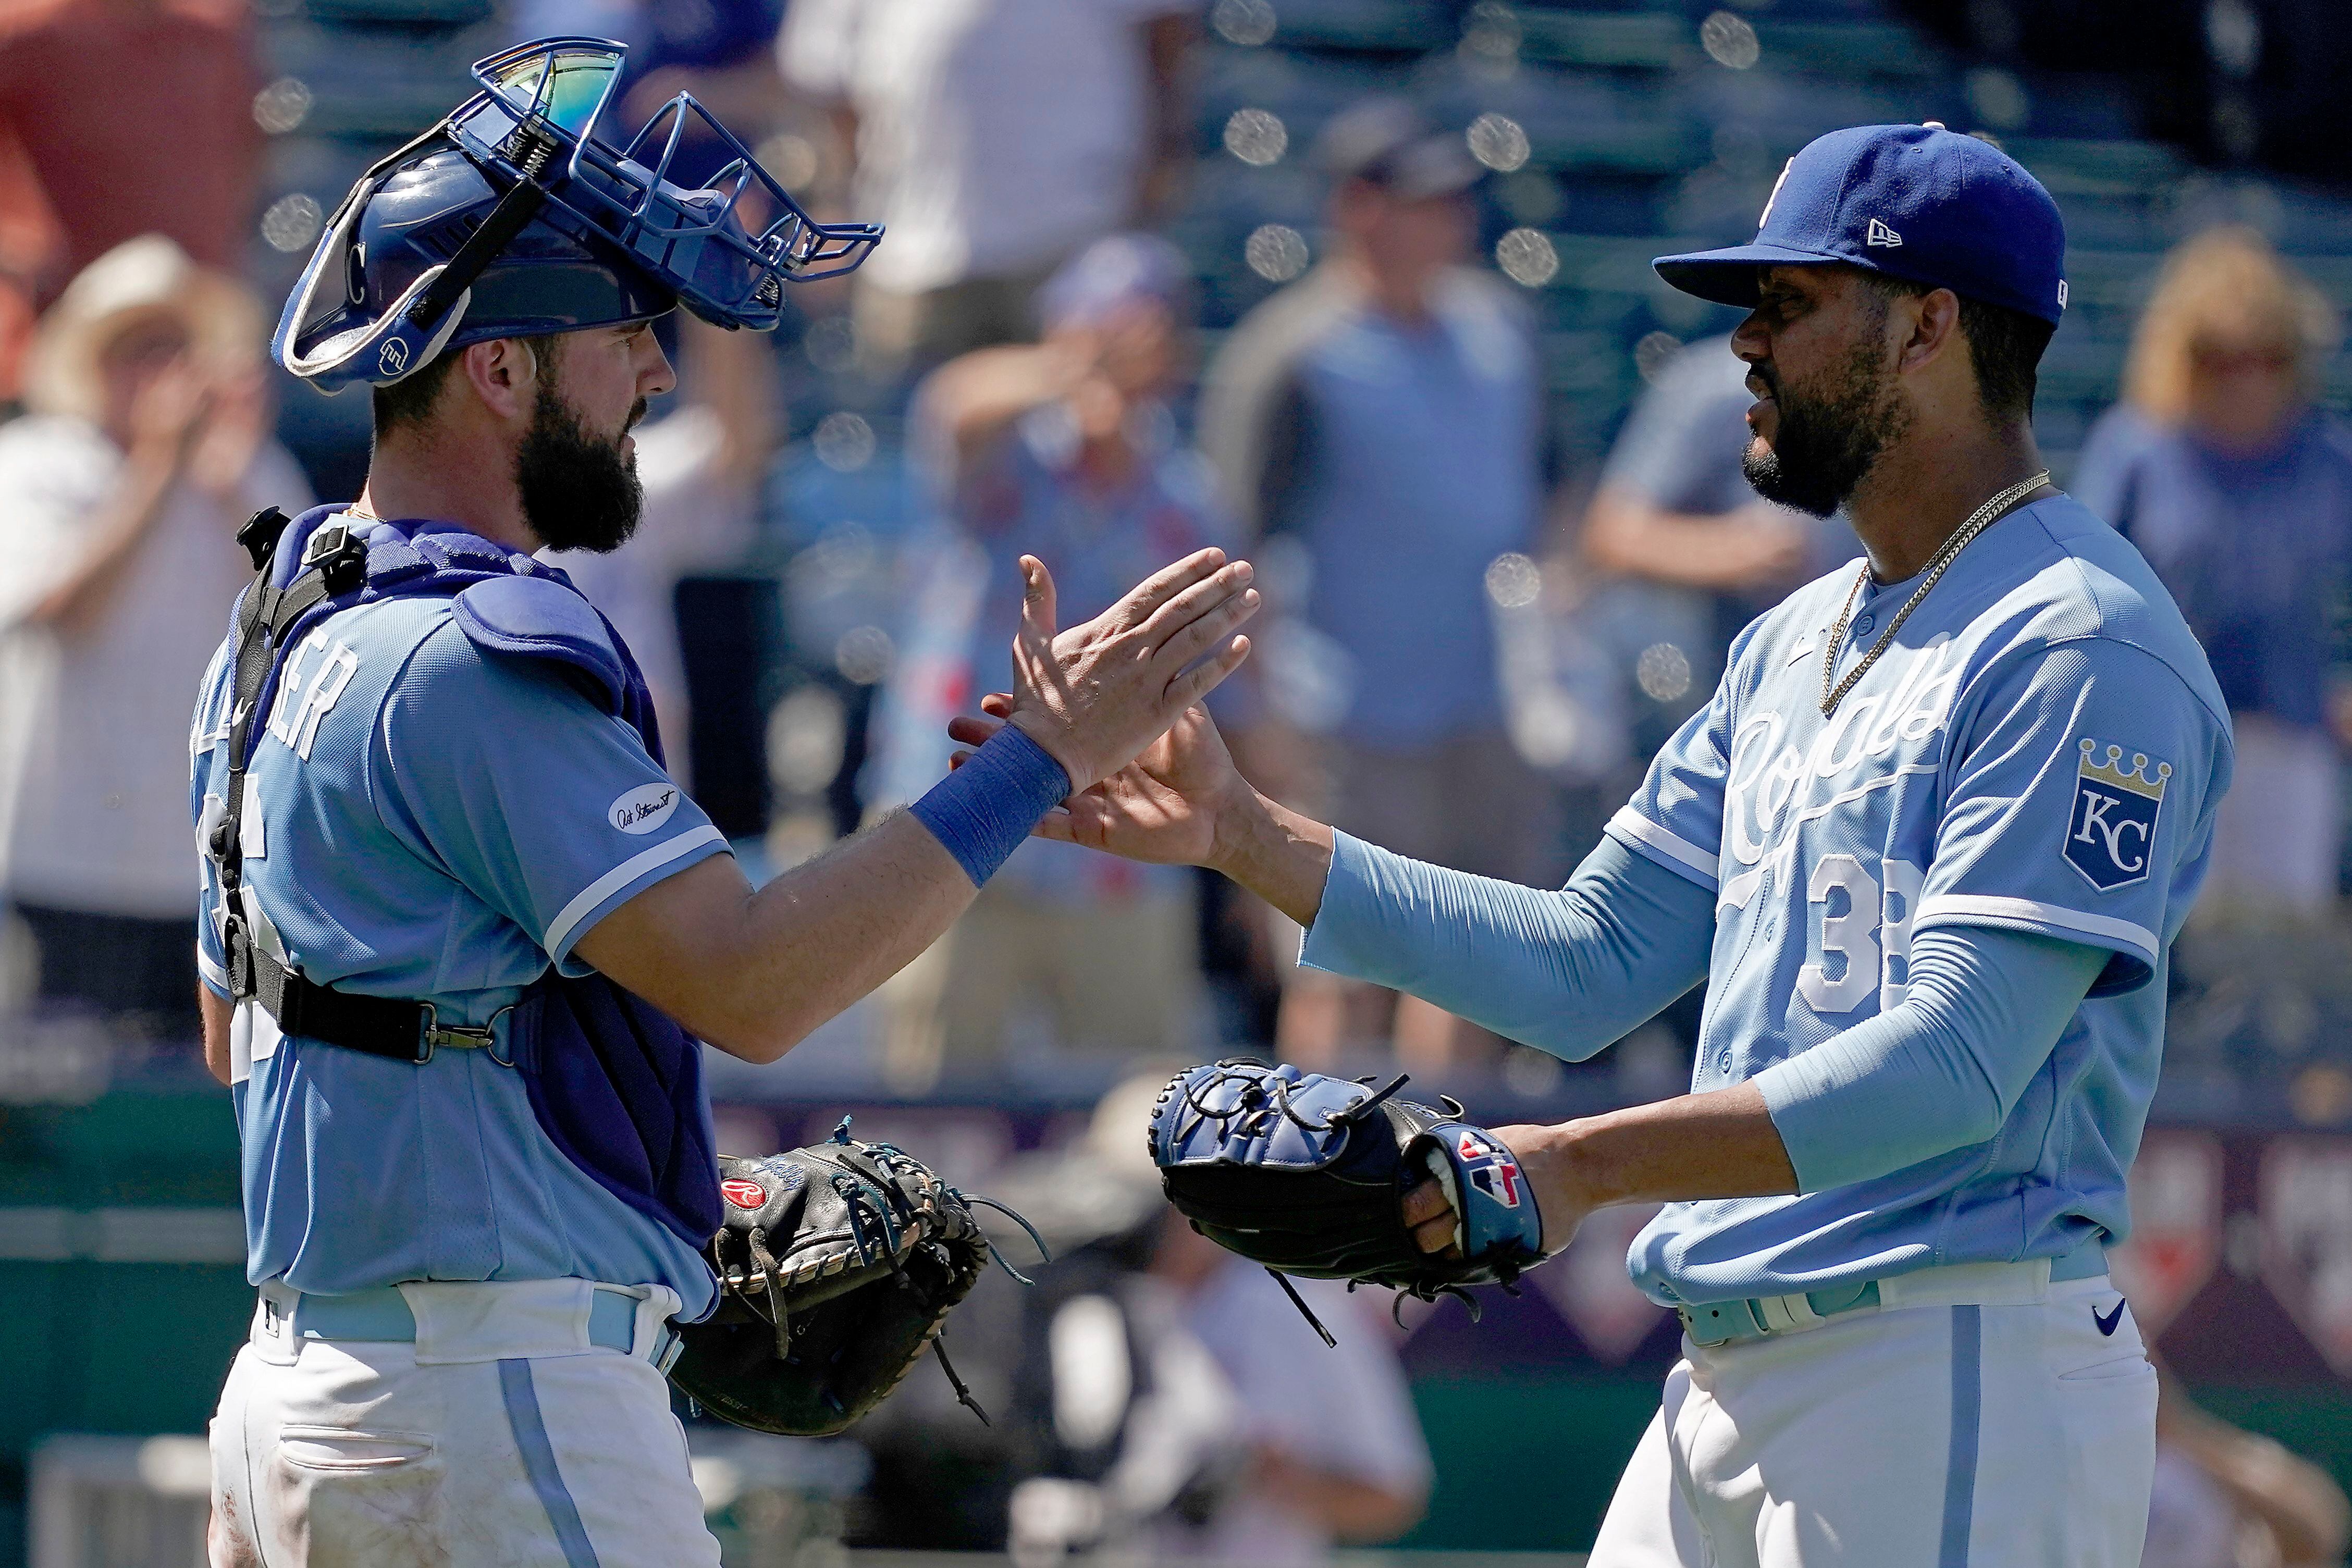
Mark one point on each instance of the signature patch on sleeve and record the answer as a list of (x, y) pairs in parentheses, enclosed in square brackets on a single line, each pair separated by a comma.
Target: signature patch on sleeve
[(2111, 831)]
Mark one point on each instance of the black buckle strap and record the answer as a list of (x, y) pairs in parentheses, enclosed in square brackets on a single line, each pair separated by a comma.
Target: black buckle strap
[(388, 1026), (334, 561)]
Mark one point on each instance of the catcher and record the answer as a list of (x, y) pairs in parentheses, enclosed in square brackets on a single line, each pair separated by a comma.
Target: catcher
[(462, 932)]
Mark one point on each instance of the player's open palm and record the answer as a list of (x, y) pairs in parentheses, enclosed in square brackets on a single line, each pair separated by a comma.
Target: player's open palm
[(1096, 694)]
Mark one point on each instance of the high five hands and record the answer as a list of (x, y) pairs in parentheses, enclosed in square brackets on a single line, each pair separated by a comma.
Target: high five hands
[(1167, 791), (1096, 693)]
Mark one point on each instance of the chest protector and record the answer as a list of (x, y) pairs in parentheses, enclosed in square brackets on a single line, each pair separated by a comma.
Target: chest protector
[(614, 1082)]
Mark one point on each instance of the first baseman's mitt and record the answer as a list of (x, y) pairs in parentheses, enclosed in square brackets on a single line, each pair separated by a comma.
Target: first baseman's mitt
[(837, 1267), (1305, 1174)]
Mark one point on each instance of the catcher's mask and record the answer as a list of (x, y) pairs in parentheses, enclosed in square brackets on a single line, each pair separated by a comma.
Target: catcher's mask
[(521, 215)]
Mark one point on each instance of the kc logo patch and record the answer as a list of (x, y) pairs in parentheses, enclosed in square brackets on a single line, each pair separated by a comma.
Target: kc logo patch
[(1489, 1167), (2111, 832)]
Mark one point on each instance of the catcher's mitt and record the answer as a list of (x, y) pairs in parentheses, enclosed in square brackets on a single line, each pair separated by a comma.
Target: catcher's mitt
[(837, 1267), (1305, 1174)]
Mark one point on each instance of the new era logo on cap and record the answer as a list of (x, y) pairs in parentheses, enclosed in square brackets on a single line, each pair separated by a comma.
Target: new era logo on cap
[(1881, 234)]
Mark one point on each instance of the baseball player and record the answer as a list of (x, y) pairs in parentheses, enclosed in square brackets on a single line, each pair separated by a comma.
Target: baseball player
[(458, 920), (1927, 847)]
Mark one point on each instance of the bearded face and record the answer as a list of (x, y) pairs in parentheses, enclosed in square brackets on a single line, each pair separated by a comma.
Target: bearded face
[(579, 490), (1828, 430)]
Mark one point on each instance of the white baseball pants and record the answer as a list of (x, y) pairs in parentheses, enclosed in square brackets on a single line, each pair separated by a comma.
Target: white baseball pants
[(1980, 1418), (500, 1436)]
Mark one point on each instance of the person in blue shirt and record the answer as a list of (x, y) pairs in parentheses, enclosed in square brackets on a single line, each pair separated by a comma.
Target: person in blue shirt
[(1385, 415), (462, 930), (1066, 449), (1927, 848), (2239, 491)]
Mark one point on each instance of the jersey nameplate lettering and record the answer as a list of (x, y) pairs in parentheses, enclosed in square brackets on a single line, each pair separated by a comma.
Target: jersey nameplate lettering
[(301, 705)]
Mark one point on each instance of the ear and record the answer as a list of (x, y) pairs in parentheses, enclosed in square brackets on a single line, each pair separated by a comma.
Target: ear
[(504, 374), (1925, 329)]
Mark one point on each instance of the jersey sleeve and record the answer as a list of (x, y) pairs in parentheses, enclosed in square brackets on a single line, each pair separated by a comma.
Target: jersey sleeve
[(2079, 805), (207, 729), (543, 805), (1675, 818)]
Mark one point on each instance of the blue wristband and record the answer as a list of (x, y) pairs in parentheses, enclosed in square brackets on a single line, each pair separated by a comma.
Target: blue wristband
[(984, 808)]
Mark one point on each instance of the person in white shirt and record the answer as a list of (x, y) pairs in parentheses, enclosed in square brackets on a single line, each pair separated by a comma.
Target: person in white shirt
[(993, 139), (121, 490)]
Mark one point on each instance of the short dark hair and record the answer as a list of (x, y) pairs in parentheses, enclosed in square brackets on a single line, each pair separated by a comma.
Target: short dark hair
[(2005, 345), (409, 400)]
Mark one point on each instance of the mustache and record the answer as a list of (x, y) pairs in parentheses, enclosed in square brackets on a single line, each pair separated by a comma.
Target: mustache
[(637, 413)]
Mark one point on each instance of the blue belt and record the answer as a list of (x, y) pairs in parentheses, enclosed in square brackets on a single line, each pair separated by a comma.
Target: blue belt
[(384, 1314), (1760, 1317)]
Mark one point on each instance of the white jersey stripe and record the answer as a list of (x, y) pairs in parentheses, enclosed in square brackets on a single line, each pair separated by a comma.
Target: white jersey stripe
[(559, 934), (1628, 823), (1974, 909)]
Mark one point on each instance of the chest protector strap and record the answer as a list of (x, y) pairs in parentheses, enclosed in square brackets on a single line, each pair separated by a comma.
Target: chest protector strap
[(614, 1082), (334, 561)]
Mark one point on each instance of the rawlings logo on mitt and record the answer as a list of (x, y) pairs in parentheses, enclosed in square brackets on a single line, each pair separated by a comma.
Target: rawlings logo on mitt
[(1306, 1174), (838, 1265)]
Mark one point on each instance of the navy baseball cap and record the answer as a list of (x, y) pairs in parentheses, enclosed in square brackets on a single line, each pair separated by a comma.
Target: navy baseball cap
[(1916, 202)]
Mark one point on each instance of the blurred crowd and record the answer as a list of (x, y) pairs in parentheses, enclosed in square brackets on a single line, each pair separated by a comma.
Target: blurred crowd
[(1475, 634)]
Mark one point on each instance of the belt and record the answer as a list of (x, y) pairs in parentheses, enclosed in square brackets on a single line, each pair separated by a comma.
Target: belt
[(1761, 1317), (384, 1316)]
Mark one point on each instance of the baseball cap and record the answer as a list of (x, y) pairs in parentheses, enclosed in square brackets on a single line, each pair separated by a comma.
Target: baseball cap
[(1916, 202), (1387, 142), (1111, 273)]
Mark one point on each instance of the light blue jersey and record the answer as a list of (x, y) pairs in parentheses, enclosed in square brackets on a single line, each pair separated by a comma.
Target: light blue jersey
[(2040, 750), (431, 821)]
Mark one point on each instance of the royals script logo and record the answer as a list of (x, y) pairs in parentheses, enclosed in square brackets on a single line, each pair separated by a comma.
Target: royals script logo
[(1780, 780), (2111, 832)]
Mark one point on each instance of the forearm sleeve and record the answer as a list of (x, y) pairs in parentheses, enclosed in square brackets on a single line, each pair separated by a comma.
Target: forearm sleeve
[(1566, 971), (1938, 1071)]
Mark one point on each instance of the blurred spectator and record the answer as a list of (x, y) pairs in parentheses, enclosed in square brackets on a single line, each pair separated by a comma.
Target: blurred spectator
[(119, 117), (700, 463), (1674, 506), (1188, 1413), (2239, 492), (1386, 413), (1064, 449), (993, 138), (121, 494), (2225, 1498)]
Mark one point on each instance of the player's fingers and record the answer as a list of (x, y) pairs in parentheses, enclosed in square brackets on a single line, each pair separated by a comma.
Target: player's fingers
[(997, 705), (972, 731), (1145, 597), (1196, 600), (1425, 1201), (1204, 677), (1038, 602), (1187, 643), (1058, 824), (1435, 1236)]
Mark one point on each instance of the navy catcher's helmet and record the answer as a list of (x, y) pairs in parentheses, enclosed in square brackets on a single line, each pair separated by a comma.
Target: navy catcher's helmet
[(515, 216)]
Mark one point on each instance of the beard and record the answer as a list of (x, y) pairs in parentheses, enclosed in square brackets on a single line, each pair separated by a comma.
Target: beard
[(1827, 442), (579, 491)]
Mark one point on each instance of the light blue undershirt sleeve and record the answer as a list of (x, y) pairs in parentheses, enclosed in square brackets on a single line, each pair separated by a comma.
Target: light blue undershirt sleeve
[(1941, 1070), (1567, 971)]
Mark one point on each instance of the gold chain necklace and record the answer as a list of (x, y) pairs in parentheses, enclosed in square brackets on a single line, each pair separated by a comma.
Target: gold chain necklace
[(1983, 518)]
